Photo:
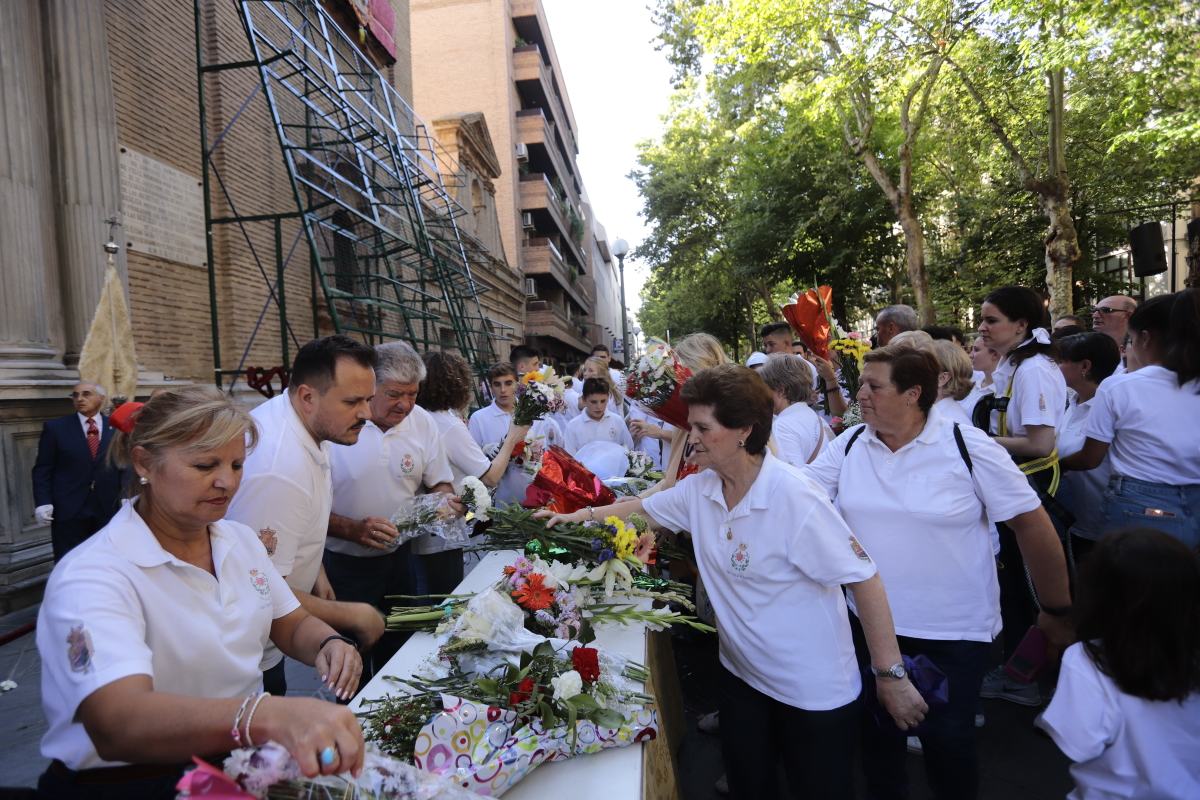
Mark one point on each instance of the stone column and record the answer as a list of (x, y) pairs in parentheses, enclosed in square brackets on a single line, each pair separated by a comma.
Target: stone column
[(83, 125), (27, 247)]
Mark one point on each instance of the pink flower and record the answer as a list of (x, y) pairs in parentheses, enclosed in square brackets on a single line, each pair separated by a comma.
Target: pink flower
[(855, 335)]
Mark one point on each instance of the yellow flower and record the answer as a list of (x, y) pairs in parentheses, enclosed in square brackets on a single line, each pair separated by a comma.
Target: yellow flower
[(530, 377), (624, 541)]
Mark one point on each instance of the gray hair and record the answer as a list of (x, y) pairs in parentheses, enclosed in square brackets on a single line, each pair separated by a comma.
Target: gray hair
[(100, 390), (399, 363), (902, 316), (788, 375)]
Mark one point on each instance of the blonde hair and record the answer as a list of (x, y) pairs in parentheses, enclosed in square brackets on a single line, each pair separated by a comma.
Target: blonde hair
[(700, 351), (954, 360), (917, 340), (193, 418)]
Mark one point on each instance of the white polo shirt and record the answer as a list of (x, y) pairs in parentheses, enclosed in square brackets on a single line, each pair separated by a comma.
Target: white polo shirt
[(1081, 491), (1039, 395), (924, 519), (382, 472), (120, 605), (571, 397), (609, 428), (976, 394), (1122, 746), (798, 432), (489, 426), (463, 454), (950, 409), (773, 567), (1151, 424), (286, 492)]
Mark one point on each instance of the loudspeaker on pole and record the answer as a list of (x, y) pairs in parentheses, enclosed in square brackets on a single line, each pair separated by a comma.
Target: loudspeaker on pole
[(1148, 249)]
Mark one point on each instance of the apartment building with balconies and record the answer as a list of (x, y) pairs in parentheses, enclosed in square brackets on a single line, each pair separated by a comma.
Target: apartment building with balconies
[(497, 57)]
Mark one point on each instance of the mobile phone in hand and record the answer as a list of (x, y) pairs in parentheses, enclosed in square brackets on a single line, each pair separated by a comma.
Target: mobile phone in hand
[(1030, 657)]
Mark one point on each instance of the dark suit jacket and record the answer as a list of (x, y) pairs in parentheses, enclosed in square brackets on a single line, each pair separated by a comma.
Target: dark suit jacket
[(66, 476)]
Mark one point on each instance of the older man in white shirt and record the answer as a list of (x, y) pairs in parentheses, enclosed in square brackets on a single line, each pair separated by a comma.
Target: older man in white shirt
[(398, 454), (286, 493)]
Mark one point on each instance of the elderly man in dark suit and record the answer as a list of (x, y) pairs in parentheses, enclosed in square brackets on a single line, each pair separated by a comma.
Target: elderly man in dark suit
[(74, 487)]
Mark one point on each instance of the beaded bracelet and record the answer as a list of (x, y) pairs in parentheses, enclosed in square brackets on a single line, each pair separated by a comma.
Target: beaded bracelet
[(250, 717), (235, 731)]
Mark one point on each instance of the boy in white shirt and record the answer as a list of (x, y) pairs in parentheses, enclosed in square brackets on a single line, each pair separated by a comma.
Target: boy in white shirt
[(597, 423), (489, 426)]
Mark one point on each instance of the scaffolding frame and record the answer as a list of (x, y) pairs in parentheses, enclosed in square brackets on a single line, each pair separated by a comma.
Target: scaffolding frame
[(375, 211)]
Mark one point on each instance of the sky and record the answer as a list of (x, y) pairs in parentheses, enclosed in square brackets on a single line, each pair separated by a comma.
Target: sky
[(619, 87)]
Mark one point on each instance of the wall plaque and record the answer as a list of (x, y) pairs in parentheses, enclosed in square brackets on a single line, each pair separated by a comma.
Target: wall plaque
[(163, 209)]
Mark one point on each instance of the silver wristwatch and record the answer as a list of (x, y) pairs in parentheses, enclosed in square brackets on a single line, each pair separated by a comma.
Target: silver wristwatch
[(894, 672)]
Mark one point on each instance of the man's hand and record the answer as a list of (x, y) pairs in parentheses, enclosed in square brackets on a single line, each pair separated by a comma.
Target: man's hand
[(375, 532), (44, 514), (368, 625)]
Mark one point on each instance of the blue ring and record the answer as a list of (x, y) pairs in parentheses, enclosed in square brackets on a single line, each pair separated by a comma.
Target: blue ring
[(328, 755)]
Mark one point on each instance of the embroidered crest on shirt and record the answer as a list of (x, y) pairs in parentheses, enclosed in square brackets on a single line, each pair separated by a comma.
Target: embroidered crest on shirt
[(858, 550), (260, 583), (79, 649), (1041, 402), (740, 558), (270, 539), (406, 466)]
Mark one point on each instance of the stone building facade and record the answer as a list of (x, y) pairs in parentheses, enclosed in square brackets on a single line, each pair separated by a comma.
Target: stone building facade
[(497, 57), (100, 118)]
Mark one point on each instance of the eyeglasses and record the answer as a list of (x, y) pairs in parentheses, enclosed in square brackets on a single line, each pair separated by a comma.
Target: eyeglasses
[(1106, 310)]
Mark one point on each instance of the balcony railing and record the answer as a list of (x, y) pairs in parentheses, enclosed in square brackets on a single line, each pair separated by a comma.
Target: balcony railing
[(541, 257), (544, 318), (537, 192), (529, 66)]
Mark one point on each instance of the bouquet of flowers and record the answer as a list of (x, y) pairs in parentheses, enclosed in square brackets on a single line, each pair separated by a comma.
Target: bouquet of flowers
[(550, 599), (655, 380), (489, 727), (640, 464), (810, 318), (429, 513), (476, 498), (270, 771), (539, 393)]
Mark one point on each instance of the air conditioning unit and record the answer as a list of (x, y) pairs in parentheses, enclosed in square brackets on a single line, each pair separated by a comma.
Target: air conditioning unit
[(527, 220), (530, 287), (522, 153)]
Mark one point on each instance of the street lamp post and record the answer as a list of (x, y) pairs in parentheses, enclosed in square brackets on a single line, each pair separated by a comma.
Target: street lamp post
[(620, 249)]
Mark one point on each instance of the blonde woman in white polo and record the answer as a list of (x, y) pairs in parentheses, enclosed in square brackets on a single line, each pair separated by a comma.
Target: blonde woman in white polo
[(152, 631)]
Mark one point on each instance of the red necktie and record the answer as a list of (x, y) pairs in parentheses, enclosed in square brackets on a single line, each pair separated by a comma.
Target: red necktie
[(93, 437)]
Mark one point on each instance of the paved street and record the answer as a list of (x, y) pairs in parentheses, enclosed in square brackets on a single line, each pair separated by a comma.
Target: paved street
[(1017, 761)]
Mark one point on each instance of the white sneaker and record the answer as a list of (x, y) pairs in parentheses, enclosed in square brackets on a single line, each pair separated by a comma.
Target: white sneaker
[(980, 720), (914, 746), (722, 785), (997, 685)]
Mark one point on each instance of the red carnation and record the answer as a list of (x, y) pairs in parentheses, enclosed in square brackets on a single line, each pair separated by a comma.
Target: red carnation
[(524, 692), (586, 661)]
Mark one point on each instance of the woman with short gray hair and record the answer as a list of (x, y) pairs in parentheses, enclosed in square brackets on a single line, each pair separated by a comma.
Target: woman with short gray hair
[(799, 433)]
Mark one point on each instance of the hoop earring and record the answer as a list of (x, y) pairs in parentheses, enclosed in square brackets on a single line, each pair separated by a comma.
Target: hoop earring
[(741, 442)]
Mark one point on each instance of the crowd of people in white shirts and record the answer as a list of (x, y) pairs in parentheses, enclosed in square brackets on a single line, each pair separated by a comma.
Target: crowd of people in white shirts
[(954, 515)]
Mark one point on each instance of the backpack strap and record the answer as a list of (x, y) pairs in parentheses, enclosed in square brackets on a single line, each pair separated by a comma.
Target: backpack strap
[(854, 438), (962, 449)]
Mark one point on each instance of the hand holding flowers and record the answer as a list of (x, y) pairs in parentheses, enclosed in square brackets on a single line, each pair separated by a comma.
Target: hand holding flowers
[(539, 393)]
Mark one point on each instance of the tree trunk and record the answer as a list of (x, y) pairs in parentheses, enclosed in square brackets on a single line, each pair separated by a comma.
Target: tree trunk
[(1062, 240), (914, 262)]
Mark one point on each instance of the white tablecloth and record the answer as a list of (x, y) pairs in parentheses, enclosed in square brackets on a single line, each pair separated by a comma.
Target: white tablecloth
[(607, 775)]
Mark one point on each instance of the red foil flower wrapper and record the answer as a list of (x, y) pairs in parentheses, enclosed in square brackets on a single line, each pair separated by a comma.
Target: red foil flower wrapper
[(564, 485), (809, 317)]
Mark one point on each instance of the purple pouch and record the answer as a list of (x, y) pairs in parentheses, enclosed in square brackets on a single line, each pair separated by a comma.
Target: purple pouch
[(930, 682)]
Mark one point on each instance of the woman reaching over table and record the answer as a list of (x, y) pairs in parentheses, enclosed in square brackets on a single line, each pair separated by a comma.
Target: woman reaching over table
[(774, 555), (151, 633), (445, 393), (919, 490)]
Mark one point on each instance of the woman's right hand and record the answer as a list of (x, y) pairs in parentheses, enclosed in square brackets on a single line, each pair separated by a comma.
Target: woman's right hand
[(518, 432), (306, 726), (553, 519)]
